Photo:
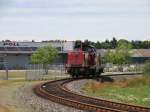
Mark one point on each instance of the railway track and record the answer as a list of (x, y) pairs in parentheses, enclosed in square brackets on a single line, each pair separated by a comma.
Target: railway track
[(56, 91)]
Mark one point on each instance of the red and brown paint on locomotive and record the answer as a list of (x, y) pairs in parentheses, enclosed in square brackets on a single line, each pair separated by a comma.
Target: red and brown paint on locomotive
[(83, 61)]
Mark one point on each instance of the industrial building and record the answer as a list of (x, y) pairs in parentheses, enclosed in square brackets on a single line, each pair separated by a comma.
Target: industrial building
[(16, 55)]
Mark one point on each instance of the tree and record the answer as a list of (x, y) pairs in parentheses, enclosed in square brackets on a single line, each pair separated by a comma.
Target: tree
[(124, 44), (120, 55), (44, 55), (113, 43), (98, 45)]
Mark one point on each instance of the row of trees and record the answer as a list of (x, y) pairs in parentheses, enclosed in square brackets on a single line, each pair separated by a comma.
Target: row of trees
[(112, 44)]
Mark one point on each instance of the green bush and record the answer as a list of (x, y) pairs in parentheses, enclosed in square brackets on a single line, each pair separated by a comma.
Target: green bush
[(147, 67)]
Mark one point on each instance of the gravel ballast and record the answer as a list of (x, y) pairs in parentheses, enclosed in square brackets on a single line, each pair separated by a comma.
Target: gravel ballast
[(38, 104)]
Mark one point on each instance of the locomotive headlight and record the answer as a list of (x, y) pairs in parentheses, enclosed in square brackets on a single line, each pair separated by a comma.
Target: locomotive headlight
[(43, 86)]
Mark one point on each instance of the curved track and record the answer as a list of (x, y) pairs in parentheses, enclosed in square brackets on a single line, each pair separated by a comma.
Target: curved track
[(56, 91)]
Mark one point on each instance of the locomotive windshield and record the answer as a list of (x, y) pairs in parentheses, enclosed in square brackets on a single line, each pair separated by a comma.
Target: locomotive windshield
[(90, 49)]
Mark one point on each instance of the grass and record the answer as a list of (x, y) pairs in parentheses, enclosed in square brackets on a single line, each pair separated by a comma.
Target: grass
[(21, 75), (134, 91)]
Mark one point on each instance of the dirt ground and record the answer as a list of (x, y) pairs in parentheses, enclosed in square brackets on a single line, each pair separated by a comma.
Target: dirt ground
[(3, 109)]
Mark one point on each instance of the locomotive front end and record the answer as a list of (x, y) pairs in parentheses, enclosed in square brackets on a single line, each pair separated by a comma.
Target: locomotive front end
[(83, 61)]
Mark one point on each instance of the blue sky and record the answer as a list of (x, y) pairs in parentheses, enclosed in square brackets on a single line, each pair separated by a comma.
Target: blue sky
[(74, 19)]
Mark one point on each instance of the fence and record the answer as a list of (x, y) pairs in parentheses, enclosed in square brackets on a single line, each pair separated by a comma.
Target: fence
[(40, 72), (124, 68), (35, 72)]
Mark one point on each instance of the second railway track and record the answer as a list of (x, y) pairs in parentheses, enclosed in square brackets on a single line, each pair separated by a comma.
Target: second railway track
[(56, 91)]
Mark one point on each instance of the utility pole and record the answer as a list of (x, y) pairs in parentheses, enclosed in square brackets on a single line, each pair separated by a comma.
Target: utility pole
[(6, 66), (61, 57)]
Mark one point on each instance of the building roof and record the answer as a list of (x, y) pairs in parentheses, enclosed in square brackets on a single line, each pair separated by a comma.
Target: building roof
[(11, 47), (22, 50), (134, 52), (16, 50), (140, 53)]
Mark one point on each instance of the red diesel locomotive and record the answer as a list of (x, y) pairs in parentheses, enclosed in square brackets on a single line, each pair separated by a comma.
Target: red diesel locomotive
[(83, 61)]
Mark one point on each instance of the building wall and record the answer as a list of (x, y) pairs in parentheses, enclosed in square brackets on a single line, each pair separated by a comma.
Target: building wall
[(20, 61), (139, 59), (17, 61)]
